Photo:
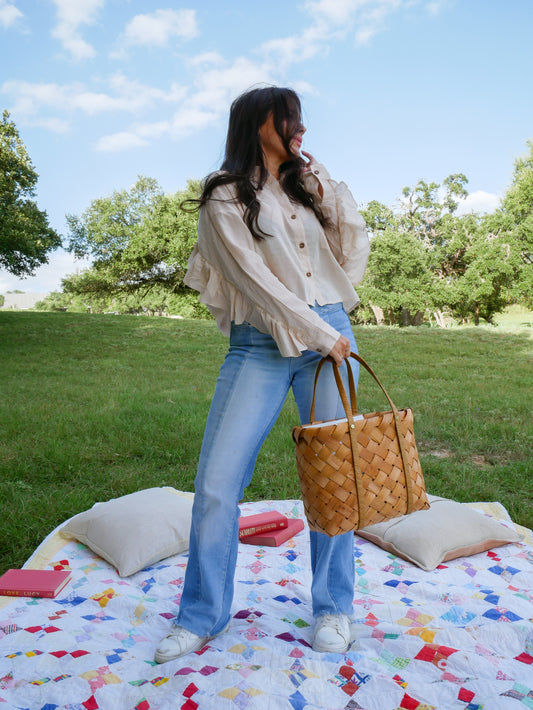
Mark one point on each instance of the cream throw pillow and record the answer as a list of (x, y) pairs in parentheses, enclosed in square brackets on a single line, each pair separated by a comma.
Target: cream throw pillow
[(444, 532), (136, 530)]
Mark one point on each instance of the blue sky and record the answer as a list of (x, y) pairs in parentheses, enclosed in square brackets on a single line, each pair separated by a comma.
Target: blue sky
[(393, 91)]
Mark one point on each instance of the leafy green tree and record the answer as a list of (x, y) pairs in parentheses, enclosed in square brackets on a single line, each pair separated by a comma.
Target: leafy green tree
[(75, 297), (25, 235), (139, 239), (490, 266), (413, 249), (90, 287), (378, 217), (60, 301), (105, 229), (496, 264), (159, 251), (515, 220), (398, 279), (427, 210), (425, 256)]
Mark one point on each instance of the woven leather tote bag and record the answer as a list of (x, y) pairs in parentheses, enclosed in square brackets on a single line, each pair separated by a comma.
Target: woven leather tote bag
[(360, 470)]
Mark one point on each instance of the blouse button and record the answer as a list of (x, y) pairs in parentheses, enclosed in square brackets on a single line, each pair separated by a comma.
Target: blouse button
[(293, 216), (316, 172), (301, 245), (308, 273)]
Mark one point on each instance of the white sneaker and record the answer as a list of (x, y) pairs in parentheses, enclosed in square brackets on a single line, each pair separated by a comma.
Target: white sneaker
[(179, 642), (332, 634)]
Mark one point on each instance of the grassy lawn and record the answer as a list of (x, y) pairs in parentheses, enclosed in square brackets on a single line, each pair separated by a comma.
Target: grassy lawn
[(94, 407)]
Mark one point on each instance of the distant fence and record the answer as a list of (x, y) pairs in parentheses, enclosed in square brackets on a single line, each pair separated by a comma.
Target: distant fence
[(22, 301)]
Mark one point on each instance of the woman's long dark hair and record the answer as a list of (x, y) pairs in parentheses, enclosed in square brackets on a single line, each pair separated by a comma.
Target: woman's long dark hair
[(244, 153)]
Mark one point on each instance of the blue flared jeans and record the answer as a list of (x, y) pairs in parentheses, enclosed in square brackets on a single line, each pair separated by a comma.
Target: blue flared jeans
[(252, 386)]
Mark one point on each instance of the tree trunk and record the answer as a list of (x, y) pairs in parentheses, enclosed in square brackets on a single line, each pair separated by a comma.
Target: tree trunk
[(408, 319), (439, 318), (378, 314), (418, 318)]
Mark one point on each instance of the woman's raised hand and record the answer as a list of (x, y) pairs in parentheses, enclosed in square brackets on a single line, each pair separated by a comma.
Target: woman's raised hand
[(311, 161), (340, 350), (306, 167)]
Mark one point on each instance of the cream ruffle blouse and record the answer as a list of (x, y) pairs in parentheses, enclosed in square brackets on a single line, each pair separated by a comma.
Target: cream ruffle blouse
[(271, 283)]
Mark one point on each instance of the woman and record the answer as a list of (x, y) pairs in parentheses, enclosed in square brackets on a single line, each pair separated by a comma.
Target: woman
[(280, 247)]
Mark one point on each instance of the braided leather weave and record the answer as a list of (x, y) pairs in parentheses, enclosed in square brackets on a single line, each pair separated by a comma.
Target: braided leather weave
[(357, 472)]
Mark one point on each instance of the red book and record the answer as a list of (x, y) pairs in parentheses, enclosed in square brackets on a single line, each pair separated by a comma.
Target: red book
[(33, 582), (274, 538), (260, 523)]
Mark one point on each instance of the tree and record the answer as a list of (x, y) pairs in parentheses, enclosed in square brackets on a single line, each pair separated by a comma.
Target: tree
[(425, 256), (427, 210), (398, 279), (105, 229), (140, 241), (490, 266), (413, 249), (515, 221), (25, 235)]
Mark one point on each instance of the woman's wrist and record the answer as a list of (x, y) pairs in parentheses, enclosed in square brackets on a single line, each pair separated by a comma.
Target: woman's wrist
[(328, 337)]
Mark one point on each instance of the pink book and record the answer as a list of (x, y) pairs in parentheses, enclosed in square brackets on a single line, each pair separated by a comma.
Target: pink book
[(33, 582), (260, 523), (274, 538)]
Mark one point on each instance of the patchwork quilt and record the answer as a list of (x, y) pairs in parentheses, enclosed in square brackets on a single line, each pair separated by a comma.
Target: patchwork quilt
[(457, 638)]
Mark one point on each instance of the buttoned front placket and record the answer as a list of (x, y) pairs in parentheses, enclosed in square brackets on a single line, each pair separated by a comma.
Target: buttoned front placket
[(296, 228)]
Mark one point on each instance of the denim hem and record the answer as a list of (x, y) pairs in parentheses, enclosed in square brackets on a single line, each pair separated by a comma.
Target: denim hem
[(348, 614)]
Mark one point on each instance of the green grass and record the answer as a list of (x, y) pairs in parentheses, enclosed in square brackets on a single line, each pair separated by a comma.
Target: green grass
[(514, 317), (94, 407)]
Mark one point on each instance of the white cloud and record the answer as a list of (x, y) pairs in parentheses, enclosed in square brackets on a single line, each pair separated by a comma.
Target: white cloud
[(342, 13), (215, 88), (365, 34), (135, 96), (336, 12), (298, 48), (54, 125), (71, 14), (9, 13), (47, 277), (123, 140), (435, 6), (333, 20), (215, 85), (31, 101), (479, 202), (206, 59), (190, 119), (129, 96), (73, 43), (159, 27)]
